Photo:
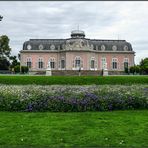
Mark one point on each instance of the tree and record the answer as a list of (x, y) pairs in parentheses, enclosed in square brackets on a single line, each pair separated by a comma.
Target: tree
[(137, 69), (4, 64), (144, 66), (14, 61), (4, 52), (17, 69), (1, 17)]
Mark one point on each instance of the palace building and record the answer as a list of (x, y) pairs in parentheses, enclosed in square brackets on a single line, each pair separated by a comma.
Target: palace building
[(67, 56)]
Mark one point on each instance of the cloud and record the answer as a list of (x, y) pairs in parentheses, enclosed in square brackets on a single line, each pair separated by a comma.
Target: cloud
[(55, 19)]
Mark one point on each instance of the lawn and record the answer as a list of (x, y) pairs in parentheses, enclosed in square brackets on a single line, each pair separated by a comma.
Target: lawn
[(83, 129), (73, 80)]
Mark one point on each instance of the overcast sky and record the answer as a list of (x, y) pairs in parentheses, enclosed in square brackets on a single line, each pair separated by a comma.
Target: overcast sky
[(100, 20)]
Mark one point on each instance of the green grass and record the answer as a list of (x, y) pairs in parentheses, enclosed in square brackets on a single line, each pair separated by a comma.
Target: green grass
[(88, 129), (73, 80)]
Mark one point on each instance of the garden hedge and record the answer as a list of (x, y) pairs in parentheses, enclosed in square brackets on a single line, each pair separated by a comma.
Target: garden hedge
[(73, 80)]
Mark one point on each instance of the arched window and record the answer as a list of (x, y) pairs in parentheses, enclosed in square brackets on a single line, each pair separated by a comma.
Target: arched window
[(52, 63), (114, 63), (92, 63), (78, 63), (40, 63), (29, 62)]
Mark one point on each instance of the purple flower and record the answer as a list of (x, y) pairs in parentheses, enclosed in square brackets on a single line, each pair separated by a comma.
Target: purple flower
[(29, 108)]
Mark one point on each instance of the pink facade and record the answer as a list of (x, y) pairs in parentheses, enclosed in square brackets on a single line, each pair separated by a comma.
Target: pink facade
[(77, 53), (70, 58)]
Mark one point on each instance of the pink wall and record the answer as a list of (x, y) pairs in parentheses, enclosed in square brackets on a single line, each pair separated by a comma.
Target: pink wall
[(70, 56)]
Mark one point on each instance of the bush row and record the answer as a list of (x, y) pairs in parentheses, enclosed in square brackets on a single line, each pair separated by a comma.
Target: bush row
[(73, 80), (72, 99)]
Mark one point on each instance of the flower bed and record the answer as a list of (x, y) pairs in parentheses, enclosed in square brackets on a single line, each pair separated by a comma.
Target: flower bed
[(72, 98)]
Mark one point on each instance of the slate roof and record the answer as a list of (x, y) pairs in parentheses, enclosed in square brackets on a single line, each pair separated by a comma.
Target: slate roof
[(60, 43)]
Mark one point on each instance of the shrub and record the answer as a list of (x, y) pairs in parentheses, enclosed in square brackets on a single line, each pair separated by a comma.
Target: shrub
[(17, 68), (132, 69), (73, 80), (24, 69)]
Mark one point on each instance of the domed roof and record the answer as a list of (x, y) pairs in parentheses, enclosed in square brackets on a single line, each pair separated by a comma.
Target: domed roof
[(77, 34)]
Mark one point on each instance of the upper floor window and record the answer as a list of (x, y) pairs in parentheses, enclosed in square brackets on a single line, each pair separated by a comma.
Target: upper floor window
[(114, 48), (102, 47), (29, 47), (125, 48), (41, 47)]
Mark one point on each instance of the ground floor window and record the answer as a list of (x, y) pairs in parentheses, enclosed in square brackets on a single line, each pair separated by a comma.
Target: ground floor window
[(29, 63), (103, 63), (52, 63), (125, 65), (40, 64), (92, 63), (77, 62), (114, 63), (62, 64)]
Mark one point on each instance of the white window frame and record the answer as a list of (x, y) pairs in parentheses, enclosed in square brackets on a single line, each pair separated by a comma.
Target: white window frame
[(125, 60), (29, 59), (75, 67), (95, 63), (52, 59), (115, 60), (103, 61), (38, 65), (60, 64)]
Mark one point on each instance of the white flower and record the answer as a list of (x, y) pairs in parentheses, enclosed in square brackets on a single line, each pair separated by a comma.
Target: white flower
[(22, 139)]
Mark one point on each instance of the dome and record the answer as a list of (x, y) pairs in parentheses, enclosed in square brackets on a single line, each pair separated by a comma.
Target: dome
[(77, 34)]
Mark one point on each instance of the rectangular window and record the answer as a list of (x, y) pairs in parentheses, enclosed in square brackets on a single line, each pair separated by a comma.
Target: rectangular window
[(114, 65), (92, 64), (29, 64), (125, 65), (52, 64), (40, 64), (62, 64), (103, 62), (77, 63)]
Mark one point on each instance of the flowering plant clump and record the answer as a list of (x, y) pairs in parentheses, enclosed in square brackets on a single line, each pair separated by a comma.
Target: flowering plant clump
[(74, 98)]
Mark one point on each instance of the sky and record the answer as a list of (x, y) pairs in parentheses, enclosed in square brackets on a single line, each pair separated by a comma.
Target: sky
[(125, 20)]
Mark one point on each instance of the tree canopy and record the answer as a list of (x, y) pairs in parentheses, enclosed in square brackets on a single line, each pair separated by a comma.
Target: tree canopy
[(5, 52), (144, 66)]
